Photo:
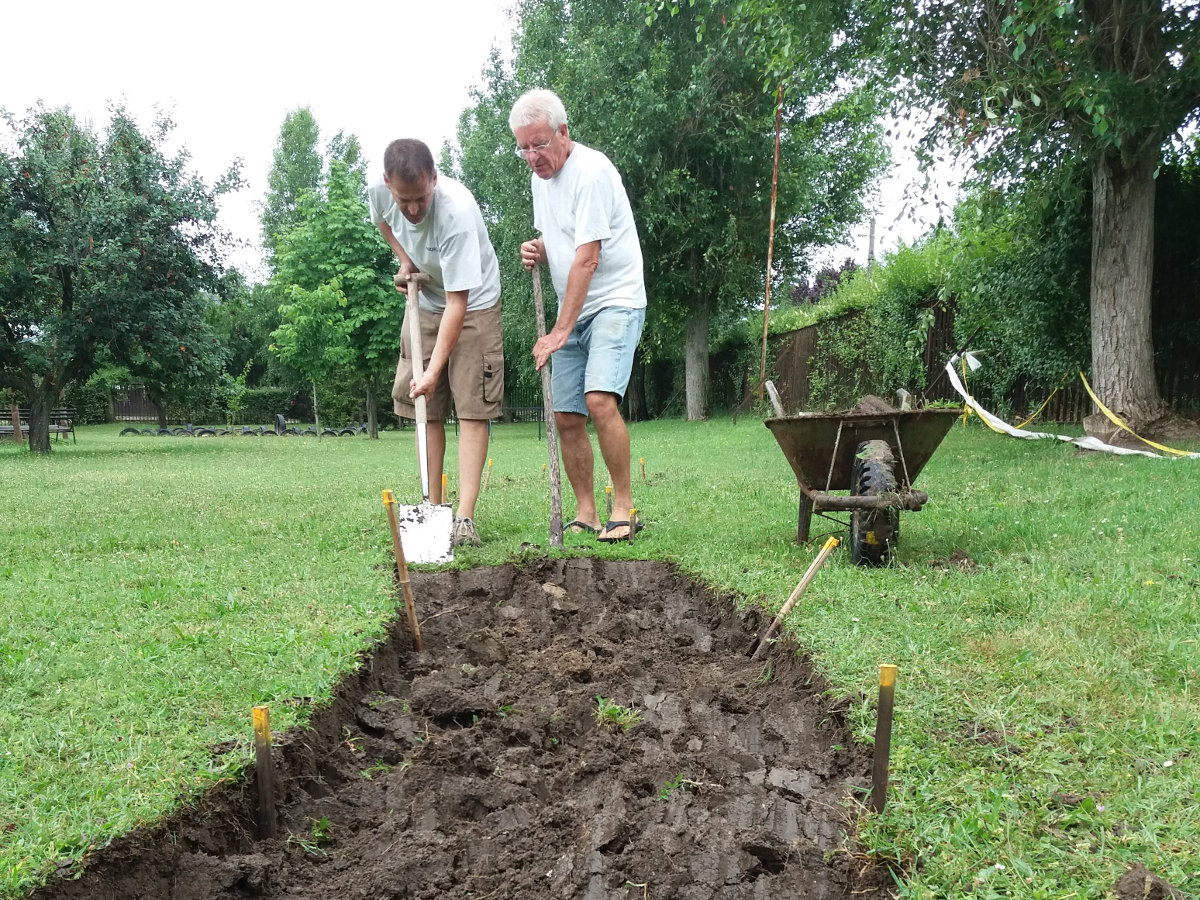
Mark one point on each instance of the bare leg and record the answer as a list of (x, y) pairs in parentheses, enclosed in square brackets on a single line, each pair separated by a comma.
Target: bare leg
[(435, 440), (614, 447), (577, 460), (472, 451)]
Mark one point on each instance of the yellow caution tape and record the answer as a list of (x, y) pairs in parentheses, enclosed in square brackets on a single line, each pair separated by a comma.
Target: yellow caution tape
[(1046, 401), (1116, 421)]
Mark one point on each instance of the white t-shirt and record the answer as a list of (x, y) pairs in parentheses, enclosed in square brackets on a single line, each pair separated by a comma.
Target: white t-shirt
[(585, 201), (451, 244)]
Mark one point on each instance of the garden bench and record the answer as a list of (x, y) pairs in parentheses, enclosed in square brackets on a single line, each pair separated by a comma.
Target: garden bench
[(62, 422)]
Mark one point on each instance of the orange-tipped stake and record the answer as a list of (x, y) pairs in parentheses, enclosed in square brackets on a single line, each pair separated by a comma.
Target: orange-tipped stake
[(632, 523), (410, 608), (265, 771), (642, 460), (488, 476)]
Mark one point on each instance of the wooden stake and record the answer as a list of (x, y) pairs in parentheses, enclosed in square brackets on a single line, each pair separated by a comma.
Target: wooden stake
[(791, 601), (608, 501), (632, 523), (445, 488), (265, 771), (488, 476), (642, 460), (883, 736), (410, 608)]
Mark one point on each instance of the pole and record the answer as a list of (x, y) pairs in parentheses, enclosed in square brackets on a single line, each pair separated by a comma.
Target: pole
[(816, 564), (556, 522), (762, 365)]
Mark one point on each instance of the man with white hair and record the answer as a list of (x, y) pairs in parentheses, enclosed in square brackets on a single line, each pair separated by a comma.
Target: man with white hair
[(590, 243)]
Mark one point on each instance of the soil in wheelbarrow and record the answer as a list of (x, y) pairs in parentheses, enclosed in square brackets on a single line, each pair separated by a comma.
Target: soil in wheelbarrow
[(480, 768)]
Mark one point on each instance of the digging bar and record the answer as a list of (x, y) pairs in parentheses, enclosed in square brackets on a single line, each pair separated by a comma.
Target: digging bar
[(556, 522), (427, 530)]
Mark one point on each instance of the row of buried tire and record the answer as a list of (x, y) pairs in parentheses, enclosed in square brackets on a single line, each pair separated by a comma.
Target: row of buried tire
[(245, 431)]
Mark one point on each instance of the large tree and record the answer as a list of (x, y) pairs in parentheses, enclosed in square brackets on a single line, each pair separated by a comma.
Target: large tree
[(295, 171), (106, 246), (691, 130), (334, 252), (1027, 84)]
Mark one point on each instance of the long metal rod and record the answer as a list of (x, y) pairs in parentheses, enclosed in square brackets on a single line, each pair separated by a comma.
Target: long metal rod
[(556, 519), (762, 365)]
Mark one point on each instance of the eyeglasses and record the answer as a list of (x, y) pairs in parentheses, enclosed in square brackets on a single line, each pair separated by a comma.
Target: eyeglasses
[(523, 152)]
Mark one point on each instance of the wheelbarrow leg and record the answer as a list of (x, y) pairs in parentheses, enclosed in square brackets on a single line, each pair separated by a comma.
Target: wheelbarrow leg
[(805, 519)]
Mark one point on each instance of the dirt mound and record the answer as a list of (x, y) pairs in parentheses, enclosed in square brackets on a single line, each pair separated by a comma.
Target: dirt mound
[(1139, 883), (874, 406), (482, 768)]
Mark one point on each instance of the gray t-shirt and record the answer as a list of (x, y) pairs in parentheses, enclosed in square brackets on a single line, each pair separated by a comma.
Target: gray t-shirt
[(451, 244), (585, 201)]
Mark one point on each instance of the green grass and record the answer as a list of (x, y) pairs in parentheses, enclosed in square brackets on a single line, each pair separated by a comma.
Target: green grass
[(153, 590)]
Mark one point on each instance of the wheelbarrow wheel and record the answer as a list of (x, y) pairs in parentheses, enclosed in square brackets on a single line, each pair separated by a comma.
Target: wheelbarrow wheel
[(873, 532)]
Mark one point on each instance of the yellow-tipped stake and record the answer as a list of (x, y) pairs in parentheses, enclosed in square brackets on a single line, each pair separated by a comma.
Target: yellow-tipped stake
[(761, 647), (265, 771), (488, 476), (632, 523), (445, 488), (608, 500), (642, 460), (410, 608), (883, 736)]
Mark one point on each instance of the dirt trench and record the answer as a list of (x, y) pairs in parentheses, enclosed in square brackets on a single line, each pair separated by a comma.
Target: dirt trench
[(479, 769)]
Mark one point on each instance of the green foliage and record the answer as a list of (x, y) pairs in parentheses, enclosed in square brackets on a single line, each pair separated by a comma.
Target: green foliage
[(1018, 268), (259, 406), (295, 172), (108, 253), (692, 132), (334, 268), (611, 714)]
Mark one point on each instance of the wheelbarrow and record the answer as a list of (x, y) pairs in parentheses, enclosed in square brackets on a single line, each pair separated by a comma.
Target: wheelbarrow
[(874, 456)]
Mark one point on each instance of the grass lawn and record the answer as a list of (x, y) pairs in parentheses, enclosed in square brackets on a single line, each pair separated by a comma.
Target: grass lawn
[(153, 590)]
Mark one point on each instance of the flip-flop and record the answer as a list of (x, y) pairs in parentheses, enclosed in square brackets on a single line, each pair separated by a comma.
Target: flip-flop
[(578, 527), (612, 523)]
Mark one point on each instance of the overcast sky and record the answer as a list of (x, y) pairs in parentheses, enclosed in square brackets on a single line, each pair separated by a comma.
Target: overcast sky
[(228, 72)]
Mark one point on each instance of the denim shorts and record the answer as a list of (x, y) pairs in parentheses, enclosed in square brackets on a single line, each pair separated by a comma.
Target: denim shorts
[(598, 356)]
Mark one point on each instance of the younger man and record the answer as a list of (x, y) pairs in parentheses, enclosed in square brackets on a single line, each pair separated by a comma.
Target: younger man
[(434, 225)]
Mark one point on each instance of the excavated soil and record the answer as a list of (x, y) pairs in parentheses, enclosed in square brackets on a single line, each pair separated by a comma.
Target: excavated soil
[(479, 767)]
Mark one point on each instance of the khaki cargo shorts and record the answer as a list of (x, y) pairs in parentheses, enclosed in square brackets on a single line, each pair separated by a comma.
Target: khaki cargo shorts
[(474, 375)]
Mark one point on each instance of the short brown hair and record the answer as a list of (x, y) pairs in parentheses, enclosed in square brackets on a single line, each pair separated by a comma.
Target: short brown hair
[(408, 160)]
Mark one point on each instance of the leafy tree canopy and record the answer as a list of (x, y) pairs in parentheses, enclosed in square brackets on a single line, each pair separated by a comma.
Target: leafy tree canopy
[(108, 255)]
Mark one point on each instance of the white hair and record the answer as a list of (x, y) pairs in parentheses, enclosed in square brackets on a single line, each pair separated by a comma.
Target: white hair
[(537, 106)]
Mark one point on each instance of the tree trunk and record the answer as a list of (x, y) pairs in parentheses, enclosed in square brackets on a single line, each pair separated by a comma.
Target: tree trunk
[(316, 415), (372, 411), (695, 375), (1122, 274), (160, 407), (41, 401)]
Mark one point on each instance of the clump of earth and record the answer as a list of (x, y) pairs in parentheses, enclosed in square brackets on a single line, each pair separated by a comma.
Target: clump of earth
[(484, 767), (873, 406)]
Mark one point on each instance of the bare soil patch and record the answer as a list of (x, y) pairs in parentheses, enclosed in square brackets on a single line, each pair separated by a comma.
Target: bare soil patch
[(479, 768)]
